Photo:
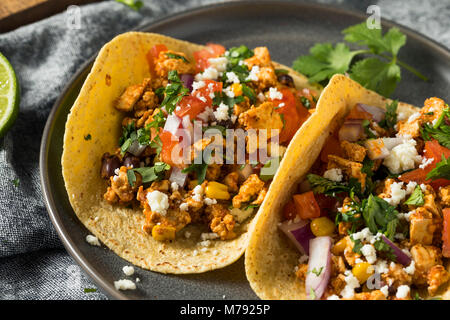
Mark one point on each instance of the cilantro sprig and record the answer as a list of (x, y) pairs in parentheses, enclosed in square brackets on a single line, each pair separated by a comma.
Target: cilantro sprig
[(173, 92), (439, 131), (441, 171), (133, 4), (416, 198), (379, 72), (148, 174)]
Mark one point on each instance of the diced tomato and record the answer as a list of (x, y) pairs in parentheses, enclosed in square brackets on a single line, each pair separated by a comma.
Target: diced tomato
[(208, 90), (292, 119), (325, 203), (432, 150), (289, 211), (332, 146), (306, 205), (446, 233), (169, 142), (359, 113), (201, 57), (153, 54), (190, 106)]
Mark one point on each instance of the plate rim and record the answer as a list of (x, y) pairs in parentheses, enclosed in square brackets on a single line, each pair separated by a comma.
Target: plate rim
[(48, 198)]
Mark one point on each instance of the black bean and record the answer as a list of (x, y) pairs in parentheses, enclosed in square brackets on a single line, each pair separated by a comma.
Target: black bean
[(131, 160), (286, 80), (109, 165)]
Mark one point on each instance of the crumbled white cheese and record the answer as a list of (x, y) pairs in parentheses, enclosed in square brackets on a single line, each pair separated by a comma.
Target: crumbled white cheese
[(158, 202), (124, 284), (402, 292), (397, 194), (363, 235), (221, 113), (253, 75), (333, 297), (206, 115), (410, 187), (209, 201), (187, 234), (369, 252), (92, 240), (208, 74), (197, 85), (232, 77), (381, 267), (261, 97), (184, 206), (197, 193), (174, 186), (385, 290), (195, 253), (128, 270), (233, 118), (351, 284), (303, 258), (426, 162), (275, 94), (402, 116), (399, 236), (423, 187), (215, 252), (334, 174), (411, 268), (204, 249), (205, 243), (405, 216), (220, 64), (228, 92), (241, 215), (403, 157), (203, 99)]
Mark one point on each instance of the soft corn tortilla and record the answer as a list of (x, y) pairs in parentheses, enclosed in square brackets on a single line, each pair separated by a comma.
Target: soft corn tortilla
[(270, 258), (121, 63)]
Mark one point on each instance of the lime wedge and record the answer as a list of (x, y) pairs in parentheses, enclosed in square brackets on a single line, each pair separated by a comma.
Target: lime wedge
[(9, 96)]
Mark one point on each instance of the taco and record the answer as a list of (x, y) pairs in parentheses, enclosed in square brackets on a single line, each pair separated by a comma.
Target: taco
[(363, 204), (136, 173)]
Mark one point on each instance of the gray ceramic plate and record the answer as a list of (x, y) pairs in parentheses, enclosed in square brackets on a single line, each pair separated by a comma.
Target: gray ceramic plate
[(287, 29)]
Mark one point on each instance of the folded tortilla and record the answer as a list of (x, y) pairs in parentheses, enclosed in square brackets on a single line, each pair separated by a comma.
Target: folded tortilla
[(121, 63), (270, 258)]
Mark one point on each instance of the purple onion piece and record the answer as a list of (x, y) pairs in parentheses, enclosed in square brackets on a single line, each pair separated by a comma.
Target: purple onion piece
[(319, 267), (299, 233), (188, 80), (402, 257), (377, 113)]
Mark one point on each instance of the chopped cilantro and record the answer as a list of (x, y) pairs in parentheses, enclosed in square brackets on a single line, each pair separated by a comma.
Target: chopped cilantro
[(390, 118), (149, 174), (237, 54), (317, 272), (16, 182), (305, 102), (174, 92), (357, 245), (367, 130), (248, 92), (440, 131), (281, 71), (176, 56), (441, 171), (416, 198), (266, 177), (312, 294), (325, 186), (198, 168), (88, 137), (379, 216)]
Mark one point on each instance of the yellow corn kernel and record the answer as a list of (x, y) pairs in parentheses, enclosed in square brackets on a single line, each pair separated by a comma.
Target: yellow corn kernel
[(163, 233), (237, 89), (339, 247), (215, 190), (322, 227), (362, 271)]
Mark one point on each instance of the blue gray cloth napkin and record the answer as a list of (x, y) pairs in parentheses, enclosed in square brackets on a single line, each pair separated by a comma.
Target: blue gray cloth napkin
[(33, 262)]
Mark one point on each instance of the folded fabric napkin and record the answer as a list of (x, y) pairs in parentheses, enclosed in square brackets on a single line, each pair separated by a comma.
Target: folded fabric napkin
[(33, 262)]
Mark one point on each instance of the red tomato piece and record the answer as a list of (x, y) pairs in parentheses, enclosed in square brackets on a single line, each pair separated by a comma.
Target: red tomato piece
[(153, 54), (289, 211), (446, 233), (306, 205), (325, 203), (332, 146), (432, 150), (169, 142), (287, 107), (190, 106), (201, 57), (207, 91)]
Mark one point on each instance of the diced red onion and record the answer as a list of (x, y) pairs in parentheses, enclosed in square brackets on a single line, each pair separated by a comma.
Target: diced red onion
[(319, 261), (187, 79), (351, 130), (187, 124), (172, 124), (136, 148), (177, 176), (402, 257), (299, 233), (377, 113)]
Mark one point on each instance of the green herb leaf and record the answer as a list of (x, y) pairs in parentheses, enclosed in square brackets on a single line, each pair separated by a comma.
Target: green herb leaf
[(380, 216), (376, 75), (174, 92), (416, 198), (236, 54), (305, 102), (148, 174), (248, 92), (198, 168), (367, 131), (16, 182), (440, 131), (442, 170), (390, 117), (133, 4), (325, 186), (268, 164), (357, 245), (317, 272), (281, 71), (176, 56), (325, 61)]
